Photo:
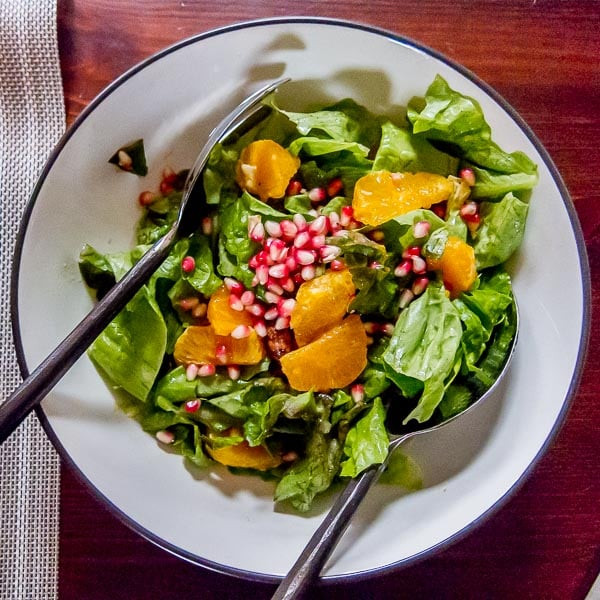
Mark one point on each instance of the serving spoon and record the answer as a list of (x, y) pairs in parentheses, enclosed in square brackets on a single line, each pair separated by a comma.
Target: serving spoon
[(33, 389), (309, 564)]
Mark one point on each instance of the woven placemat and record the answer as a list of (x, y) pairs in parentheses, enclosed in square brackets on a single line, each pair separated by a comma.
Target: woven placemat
[(32, 118)]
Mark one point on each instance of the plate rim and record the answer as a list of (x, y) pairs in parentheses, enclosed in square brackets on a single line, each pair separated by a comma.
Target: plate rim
[(415, 45)]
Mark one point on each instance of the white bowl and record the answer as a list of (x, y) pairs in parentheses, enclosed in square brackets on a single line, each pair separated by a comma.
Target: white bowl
[(228, 522)]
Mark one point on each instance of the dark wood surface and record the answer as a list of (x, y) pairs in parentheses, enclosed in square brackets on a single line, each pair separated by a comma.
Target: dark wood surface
[(544, 58)]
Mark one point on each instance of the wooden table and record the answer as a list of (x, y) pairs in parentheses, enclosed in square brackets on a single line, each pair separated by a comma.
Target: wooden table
[(544, 58)]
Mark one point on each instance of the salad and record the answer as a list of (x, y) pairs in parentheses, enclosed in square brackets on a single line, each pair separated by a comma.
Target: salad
[(345, 280)]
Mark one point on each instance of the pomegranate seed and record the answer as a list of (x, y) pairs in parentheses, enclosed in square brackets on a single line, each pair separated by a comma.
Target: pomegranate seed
[(234, 286), (146, 198), (260, 328), (279, 271), (235, 303), (419, 285), (317, 195), (189, 303), (288, 285), (277, 250), (288, 229), (468, 175), (290, 456), (337, 265), (192, 406), (377, 235), (419, 265), (297, 277), (468, 209), (411, 251), (221, 353), (262, 274), (406, 298), (473, 222), (188, 264), (165, 437), (317, 242), (472, 218), (302, 239), (375, 265), (247, 298), (191, 372), (206, 370), (125, 161), (329, 253), (207, 225), (318, 226), (290, 263), (300, 222), (308, 272), (294, 188), (334, 187), (168, 174), (273, 228), (271, 314), (256, 230), (274, 287), (357, 392), (253, 262), (272, 297), (313, 213), (199, 311), (346, 216), (286, 306), (240, 332), (306, 257), (403, 269), (421, 229), (256, 310), (334, 221), (439, 210), (370, 327), (234, 372), (282, 323), (387, 329), (165, 187)]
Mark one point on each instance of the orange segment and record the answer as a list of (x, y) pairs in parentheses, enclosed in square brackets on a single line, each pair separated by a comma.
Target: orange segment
[(243, 455), (380, 195), (198, 345), (221, 316), (457, 265), (321, 303), (333, 360), (265, 169)]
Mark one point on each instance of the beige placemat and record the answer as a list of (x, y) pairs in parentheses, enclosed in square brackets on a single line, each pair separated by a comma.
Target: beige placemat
[(32, 118)]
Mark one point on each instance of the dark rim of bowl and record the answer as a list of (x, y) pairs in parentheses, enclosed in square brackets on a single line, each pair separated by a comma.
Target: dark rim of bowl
[(583, 260)]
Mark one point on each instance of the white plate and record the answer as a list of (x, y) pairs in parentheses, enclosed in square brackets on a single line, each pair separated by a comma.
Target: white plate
[(228, 522)]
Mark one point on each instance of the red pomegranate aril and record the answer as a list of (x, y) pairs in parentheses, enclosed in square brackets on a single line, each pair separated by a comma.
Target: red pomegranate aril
[(146, 198), (234, 286), (221, 353), (317, 242), (272, 297), (191, 372), (294, 188), (207, 225), (302, 239), (300, 222), (337, 265), (334, 221), (206, 370), (419, 265), (288, 285), (297, 277), (357, 391), (271, 314), (164, 436), (305, 257), (406, 297), (262, 274), (247, 298), (234, 372), (285, 306), (307, 273), (474, 218), (318, 226), (235, 302), (346, 216), (188, 264), (473, 223), (290, 263), (192, 406), (375, 265), (282, 323), (277, 250), (329, 253), (421, 229), (468, 176), (275, 287), (469, 209), (370, 327), (419, 285), (290, 456), (404, 268), (189, 303), (279, 271), (256, 230), (439, 210), (240, 332), (199, 311), (387, 329), (263, 257), (411, 251), (256, 310), (288, 229), (334, 187), (260, 328), (253, 262), (273, 228), (317, 194)]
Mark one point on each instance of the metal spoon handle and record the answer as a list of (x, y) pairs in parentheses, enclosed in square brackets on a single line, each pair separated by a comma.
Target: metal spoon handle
[(315, 554), (31, 391)]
